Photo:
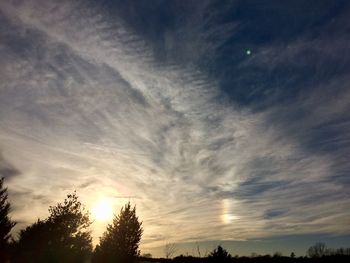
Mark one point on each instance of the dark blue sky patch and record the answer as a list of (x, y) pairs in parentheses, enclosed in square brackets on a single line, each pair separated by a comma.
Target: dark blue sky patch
[(258, 25), (254, 188), (7, 170), (274, 213)]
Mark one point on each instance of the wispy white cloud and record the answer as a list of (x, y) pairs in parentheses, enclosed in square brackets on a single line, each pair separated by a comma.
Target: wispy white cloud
[(85, 106)]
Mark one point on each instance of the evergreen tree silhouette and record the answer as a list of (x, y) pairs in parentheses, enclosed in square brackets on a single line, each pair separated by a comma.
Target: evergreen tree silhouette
[(219, 255), (6, 224), (120, 242)]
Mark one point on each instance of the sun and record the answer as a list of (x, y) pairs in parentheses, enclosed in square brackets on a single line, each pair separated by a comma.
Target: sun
[(103, 210)]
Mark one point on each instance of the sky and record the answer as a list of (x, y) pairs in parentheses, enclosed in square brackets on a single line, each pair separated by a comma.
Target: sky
[(225, 122)]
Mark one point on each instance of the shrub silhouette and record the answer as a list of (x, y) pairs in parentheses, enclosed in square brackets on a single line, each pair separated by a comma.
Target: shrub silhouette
[(120, 242), (317, 250), (6, 224), (219, 255), (63, 237)]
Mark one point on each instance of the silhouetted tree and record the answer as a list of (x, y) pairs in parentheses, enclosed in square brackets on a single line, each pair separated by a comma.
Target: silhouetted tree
[(317, 250), (6, 224), (219, 255), (277, 254), (63, 237), (339, 251), (170, 249), (120, 242)]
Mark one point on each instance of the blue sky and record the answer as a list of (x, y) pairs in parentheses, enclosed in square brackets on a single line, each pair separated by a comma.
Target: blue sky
[(223, 121)]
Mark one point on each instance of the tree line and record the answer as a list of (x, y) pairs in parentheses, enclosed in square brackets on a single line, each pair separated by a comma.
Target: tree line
[(65, 237)]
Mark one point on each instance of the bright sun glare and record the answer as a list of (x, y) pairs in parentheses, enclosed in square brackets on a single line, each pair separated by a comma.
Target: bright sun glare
[(102, 210)]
